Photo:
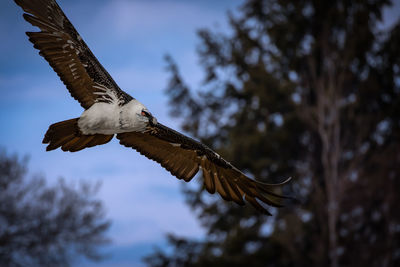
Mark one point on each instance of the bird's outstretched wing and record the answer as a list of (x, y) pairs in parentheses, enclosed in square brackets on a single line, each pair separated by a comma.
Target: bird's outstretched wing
[(183, 157), (61, 45)]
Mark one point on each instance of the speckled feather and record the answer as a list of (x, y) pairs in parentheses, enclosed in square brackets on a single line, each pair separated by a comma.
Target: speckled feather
[(61, 45)]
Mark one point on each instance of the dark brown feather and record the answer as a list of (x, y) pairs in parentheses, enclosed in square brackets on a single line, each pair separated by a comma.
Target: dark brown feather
[(60, 44), (66, 134), (100, 139), (208, 181), (235, 193), (256, 205), (82, 142), (60, 141), (174, 159)]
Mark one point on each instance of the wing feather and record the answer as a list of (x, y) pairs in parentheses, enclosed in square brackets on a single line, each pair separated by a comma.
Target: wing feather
[(172, 158), (69, 56), (220, 186), (256, 205), (235, 193), (208, 182), (183, 157)]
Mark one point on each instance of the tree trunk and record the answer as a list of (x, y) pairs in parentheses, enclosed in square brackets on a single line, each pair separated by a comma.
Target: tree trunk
[(327, 86), (329, 128), (329, 132)]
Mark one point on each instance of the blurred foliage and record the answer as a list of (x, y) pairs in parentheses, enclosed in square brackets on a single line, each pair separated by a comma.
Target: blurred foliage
[(308, 89), (43, 225)]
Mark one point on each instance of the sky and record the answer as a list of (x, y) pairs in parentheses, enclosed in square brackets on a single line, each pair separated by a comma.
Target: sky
[(130, 39)]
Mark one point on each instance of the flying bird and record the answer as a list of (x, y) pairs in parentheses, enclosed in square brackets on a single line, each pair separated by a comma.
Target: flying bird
[(109, 111)]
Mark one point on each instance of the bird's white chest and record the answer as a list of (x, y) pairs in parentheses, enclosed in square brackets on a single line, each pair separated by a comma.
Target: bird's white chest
[(105, 118)]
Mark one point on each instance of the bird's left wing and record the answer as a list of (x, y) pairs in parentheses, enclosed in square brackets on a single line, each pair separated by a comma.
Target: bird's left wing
[(183, 156)]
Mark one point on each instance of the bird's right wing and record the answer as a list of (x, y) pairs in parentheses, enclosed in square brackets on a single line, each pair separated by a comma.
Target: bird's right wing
[(183, 157), (61, 45)]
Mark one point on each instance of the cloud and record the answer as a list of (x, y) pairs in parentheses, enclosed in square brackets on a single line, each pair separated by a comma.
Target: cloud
[(153, 16)]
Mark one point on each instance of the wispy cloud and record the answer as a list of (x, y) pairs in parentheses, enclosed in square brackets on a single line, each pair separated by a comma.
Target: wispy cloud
[(154, 16)]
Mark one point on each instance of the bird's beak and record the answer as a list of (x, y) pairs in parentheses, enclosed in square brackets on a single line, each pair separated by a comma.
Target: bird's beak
[(152, 120)]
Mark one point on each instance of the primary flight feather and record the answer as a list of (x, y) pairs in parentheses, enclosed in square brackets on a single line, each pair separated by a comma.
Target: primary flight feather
[(110, 111)]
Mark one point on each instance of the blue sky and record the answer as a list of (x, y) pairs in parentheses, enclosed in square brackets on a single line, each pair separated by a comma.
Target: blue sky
[(130, 39)]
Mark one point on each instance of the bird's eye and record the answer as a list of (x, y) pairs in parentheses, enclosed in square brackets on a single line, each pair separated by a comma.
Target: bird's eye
[(144, 113)]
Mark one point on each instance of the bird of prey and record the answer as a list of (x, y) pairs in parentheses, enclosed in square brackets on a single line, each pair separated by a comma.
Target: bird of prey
[(109, 111)]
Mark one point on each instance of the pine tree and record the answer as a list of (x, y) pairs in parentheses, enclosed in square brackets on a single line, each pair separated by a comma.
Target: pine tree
[(308, 89)]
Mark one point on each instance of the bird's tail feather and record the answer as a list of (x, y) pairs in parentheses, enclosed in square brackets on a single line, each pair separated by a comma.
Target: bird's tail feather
[(66, 134)]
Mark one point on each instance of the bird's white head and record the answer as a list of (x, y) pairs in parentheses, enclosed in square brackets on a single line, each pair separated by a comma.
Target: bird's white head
[(136, 116)]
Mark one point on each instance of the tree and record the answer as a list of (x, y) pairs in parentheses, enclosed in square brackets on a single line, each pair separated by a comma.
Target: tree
[(308, 89), (42, 225)]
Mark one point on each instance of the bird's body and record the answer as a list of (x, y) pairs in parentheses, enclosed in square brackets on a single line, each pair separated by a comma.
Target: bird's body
[(109, 112), (112, 118)]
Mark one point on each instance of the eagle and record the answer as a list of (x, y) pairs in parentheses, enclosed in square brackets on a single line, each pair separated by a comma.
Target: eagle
[(109, 111)]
